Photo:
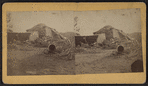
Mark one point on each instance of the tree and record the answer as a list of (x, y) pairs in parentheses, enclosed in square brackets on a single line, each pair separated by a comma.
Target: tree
[(9, 24), (76, 28), (9, 31)]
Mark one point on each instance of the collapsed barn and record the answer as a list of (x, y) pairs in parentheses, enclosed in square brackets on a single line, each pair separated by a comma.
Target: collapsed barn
[(115, 38), (106, 37), (113, 51), (113, 33), (42, 35)]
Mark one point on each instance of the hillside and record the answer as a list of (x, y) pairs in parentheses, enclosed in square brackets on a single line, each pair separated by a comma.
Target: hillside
[(136, 36)]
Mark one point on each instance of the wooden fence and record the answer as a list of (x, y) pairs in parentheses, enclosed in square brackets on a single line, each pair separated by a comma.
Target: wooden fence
[(17, 36)]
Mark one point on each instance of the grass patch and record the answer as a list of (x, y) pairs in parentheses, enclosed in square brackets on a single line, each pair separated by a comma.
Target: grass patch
[(79, 50), (12, 46)]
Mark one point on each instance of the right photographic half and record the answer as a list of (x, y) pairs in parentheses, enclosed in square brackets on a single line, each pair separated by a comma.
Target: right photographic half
[(109, 41)]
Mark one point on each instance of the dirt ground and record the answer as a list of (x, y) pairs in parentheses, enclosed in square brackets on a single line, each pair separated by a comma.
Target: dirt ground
[(28, 60), (32, 61), (103, 61)]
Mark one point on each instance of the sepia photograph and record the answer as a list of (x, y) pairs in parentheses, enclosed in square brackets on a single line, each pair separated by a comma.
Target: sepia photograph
[(68, 43), (40, 43), (74, 42), (109, 41)]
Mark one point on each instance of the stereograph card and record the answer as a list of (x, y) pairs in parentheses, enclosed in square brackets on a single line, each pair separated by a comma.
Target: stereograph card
[(74, 43)]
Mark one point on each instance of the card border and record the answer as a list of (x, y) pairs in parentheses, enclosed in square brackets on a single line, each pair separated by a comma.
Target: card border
[(106, 78)]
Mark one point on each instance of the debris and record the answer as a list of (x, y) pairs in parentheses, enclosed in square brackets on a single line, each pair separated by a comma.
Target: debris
[(114, 37)]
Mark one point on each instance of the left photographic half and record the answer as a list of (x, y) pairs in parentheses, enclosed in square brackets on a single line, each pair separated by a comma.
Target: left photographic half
[(40, 43)]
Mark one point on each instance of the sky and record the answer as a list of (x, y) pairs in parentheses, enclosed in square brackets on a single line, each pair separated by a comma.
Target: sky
[(127, 20)]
